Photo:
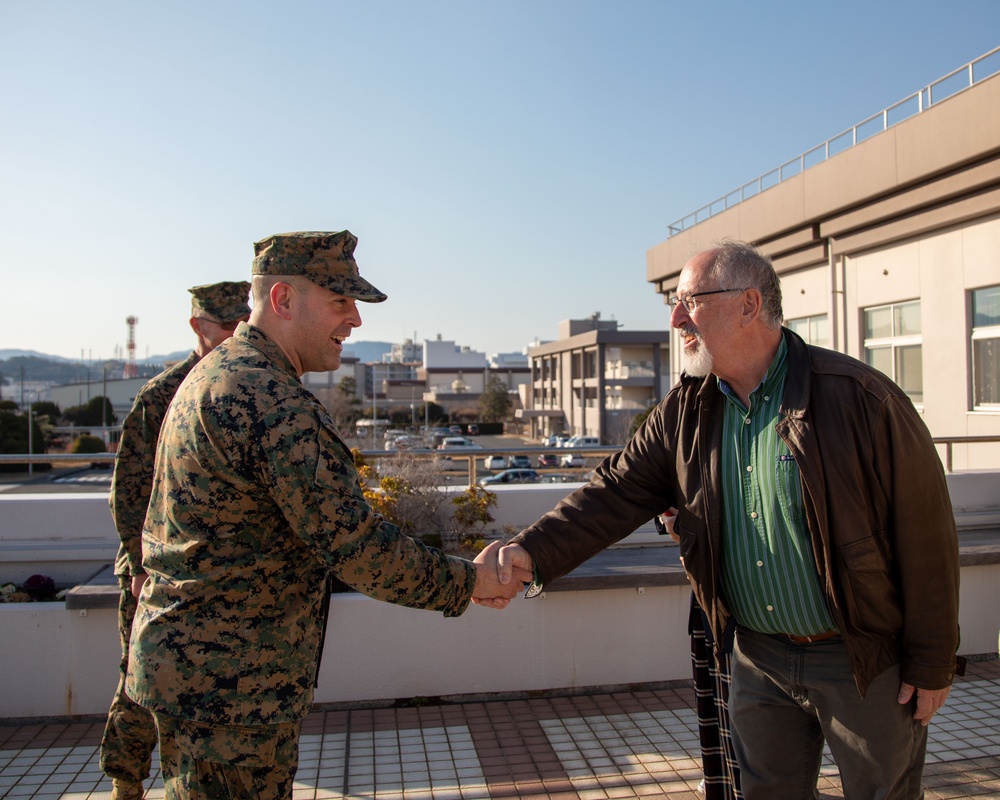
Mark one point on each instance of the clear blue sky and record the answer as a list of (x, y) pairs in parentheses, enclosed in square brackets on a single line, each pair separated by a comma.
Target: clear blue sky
[(505, 165)]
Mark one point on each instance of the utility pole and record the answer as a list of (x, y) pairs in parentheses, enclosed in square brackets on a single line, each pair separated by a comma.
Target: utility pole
[(104, 407)]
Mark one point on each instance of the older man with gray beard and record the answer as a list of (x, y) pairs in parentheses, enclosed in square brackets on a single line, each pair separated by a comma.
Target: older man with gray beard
[(813, 509)]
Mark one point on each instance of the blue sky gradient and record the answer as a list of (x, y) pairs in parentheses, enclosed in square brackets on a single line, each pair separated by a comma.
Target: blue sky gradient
[(505, 165)]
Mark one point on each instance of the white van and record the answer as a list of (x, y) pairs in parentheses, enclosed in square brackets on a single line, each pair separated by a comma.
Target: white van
[(582, 441)]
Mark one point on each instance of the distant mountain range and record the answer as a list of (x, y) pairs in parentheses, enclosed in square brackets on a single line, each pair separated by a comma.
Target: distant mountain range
[(35, 366)]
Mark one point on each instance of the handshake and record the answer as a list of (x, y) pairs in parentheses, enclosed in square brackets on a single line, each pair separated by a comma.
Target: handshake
[(501, 572)]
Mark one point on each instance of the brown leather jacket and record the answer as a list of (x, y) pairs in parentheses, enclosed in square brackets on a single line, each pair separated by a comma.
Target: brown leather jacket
[(875, 497)]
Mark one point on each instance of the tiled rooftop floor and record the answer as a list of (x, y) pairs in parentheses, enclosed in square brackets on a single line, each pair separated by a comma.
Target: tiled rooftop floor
[(584, 747)]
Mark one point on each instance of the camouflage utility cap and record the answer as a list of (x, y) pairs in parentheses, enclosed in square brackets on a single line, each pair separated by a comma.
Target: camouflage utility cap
[(326, 258), (221, 302)]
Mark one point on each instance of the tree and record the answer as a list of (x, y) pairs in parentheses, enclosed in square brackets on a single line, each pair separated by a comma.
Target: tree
[(8, 405), (495, 402), (46, 408), (348, 387), (14, 439), (432, 412), (97, 411), (639, 419)]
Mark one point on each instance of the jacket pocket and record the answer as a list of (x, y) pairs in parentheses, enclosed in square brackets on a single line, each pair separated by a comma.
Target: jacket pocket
[(871, 599)]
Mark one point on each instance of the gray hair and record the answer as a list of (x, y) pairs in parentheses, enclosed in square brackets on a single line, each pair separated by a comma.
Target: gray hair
[(740, 265)]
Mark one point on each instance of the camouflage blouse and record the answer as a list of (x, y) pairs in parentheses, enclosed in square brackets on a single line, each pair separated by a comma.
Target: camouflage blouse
[(133, 478), (256, 499)]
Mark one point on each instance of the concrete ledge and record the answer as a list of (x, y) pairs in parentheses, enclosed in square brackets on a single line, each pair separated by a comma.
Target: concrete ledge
[(615, 568)]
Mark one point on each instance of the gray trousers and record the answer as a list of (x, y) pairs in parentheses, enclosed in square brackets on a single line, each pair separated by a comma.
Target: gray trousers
[(786, 699)]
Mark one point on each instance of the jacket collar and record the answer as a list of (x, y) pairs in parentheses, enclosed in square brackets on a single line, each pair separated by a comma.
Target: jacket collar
[(258, 340), (797, 382)]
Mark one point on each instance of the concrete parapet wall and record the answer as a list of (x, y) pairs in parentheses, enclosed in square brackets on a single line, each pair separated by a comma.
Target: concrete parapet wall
[(70, 537), (61, 659), (64, 662)]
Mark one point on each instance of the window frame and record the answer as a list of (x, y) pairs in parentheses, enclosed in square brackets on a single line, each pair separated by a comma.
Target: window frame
[(980, 333), (893, 343)]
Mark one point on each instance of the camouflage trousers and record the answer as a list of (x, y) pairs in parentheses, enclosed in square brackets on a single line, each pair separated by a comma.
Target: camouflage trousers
[(130, 733), (225, 762)]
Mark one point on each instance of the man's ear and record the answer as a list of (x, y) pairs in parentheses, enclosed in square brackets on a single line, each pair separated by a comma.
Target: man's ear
[(753, 303), (282, 297), (195, 324)]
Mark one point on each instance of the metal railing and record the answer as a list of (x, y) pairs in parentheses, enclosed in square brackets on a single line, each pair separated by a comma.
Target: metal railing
[(951, 84), (949, 441), (470, 457)]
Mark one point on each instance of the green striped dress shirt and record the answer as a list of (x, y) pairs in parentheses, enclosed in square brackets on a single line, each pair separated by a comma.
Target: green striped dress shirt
[(768, 572)]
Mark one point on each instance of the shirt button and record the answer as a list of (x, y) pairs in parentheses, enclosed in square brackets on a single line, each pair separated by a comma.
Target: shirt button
[(746, 421), (753, 515), (770, 608), (749, 469), (766, 397), (760, 563)]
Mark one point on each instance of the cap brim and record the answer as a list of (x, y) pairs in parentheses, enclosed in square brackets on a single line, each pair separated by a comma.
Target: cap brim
[(353, 286)]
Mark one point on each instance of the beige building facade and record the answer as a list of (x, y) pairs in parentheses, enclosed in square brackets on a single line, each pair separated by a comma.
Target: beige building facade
[(594, 379), (890, 251)]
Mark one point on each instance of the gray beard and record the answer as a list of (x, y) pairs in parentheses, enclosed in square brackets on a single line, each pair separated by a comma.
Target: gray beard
[(700, 364)]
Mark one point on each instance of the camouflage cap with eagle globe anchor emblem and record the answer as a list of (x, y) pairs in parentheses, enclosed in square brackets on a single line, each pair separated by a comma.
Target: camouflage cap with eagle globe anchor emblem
[(221, 302), (326, 258)]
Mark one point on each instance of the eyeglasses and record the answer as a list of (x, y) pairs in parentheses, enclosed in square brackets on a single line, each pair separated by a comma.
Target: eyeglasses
[(688, 300)]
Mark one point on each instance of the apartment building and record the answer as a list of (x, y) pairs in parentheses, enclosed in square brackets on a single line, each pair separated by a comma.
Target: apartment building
[(594, 379)]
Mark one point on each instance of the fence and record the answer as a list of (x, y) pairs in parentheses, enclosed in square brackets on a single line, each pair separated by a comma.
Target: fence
[(470, 458)]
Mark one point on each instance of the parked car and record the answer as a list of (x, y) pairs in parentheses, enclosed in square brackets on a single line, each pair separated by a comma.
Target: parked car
[(458, 443), (559, 477), (572, 460), (511, 476), (455, 430), (560, 439), (472, 429), (521, 462), (548, 460), (582, 441), (496, 462)]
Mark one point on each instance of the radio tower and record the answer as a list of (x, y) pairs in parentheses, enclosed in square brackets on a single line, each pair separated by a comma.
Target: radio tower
[(131, 370)]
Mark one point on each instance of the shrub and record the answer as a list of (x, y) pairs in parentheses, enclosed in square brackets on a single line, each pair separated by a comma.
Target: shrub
[(404, 489), (87, 444)]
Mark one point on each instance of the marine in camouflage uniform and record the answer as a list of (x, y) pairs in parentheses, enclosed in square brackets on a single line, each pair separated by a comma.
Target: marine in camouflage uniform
[(256, 501), (130, 733)]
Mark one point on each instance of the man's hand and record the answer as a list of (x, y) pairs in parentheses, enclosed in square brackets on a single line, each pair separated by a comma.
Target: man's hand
[(514, 563), (928, 701), (137, 582), (489, 591)]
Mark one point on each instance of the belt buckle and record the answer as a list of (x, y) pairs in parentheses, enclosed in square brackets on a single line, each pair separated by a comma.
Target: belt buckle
[(819, 637)]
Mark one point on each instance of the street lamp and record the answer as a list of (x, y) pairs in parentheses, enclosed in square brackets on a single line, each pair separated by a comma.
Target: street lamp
[(31, 430)]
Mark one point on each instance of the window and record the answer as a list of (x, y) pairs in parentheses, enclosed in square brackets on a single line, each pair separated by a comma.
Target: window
[(893, 345), (814, 330), (986, 347)]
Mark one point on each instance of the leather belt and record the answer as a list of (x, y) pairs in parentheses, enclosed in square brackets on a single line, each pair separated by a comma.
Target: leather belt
[(819, 637)]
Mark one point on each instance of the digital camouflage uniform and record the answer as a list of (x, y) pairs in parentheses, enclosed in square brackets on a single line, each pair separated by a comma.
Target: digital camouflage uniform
[(256, 501), (130, 733)]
